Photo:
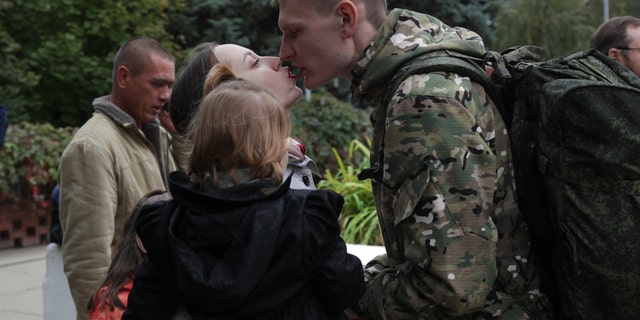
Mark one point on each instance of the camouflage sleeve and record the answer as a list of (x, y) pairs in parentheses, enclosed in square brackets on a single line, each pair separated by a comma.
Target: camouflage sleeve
[(435, 201)]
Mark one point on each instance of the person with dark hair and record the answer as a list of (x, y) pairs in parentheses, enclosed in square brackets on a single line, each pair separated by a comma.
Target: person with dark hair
[(236, 242), (110, 300), (262, 70), (619, 38), (120, 154)]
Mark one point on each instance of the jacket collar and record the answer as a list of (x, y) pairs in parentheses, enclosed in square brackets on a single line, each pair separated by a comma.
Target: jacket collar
[(201, 202), (403, 36), (104, 105), (152, 131)]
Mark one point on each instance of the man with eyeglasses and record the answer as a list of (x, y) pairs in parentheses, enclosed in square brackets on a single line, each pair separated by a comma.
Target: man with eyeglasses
[(619, 38)]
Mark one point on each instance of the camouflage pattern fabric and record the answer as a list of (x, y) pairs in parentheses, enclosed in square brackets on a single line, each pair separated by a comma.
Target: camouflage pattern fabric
[(443, 185)]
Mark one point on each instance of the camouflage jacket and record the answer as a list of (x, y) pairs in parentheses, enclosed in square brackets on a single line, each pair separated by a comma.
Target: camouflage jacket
[(443, 185)]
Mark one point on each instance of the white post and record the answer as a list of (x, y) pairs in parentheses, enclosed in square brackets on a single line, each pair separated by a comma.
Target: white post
[(606, 10), (57, 300)]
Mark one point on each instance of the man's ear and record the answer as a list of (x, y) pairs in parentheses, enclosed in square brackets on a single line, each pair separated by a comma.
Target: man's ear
[(614, 53), (122, 75), (348, 12)]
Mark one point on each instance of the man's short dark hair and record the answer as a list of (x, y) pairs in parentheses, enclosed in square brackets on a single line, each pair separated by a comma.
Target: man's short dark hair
[(135, 53), (613, 33)]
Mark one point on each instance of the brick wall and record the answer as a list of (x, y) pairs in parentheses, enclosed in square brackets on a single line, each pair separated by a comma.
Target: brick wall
[(24, 224)]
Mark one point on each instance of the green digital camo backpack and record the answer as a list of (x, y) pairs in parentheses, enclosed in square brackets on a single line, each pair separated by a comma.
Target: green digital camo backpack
[(574, 124)]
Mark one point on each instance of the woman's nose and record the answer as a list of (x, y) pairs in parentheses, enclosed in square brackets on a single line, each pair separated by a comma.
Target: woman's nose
[(274, 62)]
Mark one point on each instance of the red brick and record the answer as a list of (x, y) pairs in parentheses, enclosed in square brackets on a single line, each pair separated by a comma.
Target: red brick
[(24, 224)]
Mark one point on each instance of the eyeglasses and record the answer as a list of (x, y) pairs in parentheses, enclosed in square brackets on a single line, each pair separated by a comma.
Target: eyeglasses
[(625, 48)]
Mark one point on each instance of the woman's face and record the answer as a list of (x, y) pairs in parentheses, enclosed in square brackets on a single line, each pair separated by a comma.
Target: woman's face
[(265, 71)]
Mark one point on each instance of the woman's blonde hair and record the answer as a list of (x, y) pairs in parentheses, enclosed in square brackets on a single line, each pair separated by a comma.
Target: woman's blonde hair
[(238, 125)]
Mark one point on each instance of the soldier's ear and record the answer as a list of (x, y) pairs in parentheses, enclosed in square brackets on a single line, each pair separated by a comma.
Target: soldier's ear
[(348, 13)]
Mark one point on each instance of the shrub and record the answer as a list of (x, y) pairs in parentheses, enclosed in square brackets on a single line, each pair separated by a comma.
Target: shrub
[(358, 217), (324, 123), (29, 161)]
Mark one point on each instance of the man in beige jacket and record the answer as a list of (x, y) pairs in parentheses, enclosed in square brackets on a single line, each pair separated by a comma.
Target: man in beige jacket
[(117, 156)]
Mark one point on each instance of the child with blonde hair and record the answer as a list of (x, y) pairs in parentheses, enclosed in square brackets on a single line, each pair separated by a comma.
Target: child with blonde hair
[(235, 242)]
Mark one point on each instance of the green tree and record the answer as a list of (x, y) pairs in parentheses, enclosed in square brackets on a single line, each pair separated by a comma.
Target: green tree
[(249, 23), (560, 27), (13, 75), (633, 8), (60, 52)]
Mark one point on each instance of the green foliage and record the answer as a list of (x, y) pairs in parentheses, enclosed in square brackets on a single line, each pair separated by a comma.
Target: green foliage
[(249, 23), (358, 217), (60, 52), (324, 122), (560, 27), (632, 8), (29, 160)]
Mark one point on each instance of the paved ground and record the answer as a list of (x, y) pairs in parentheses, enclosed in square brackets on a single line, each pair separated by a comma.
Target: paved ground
[(21, 274)]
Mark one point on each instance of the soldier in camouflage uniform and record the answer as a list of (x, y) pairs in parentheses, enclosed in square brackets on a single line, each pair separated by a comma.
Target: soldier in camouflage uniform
[(457, 246)]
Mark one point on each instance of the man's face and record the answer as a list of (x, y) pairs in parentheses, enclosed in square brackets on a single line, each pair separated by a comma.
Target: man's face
[(631, 58), (148, 91), (314, 43)]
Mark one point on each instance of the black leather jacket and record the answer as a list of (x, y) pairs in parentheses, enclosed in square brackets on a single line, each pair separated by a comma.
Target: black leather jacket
[(236, 253)]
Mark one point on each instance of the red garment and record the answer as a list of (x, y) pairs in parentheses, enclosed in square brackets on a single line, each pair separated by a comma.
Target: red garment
[(103, 310)]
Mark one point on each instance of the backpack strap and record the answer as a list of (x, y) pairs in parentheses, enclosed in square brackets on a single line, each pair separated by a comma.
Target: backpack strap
[(511, 63), (441, 61), (508, 65)]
